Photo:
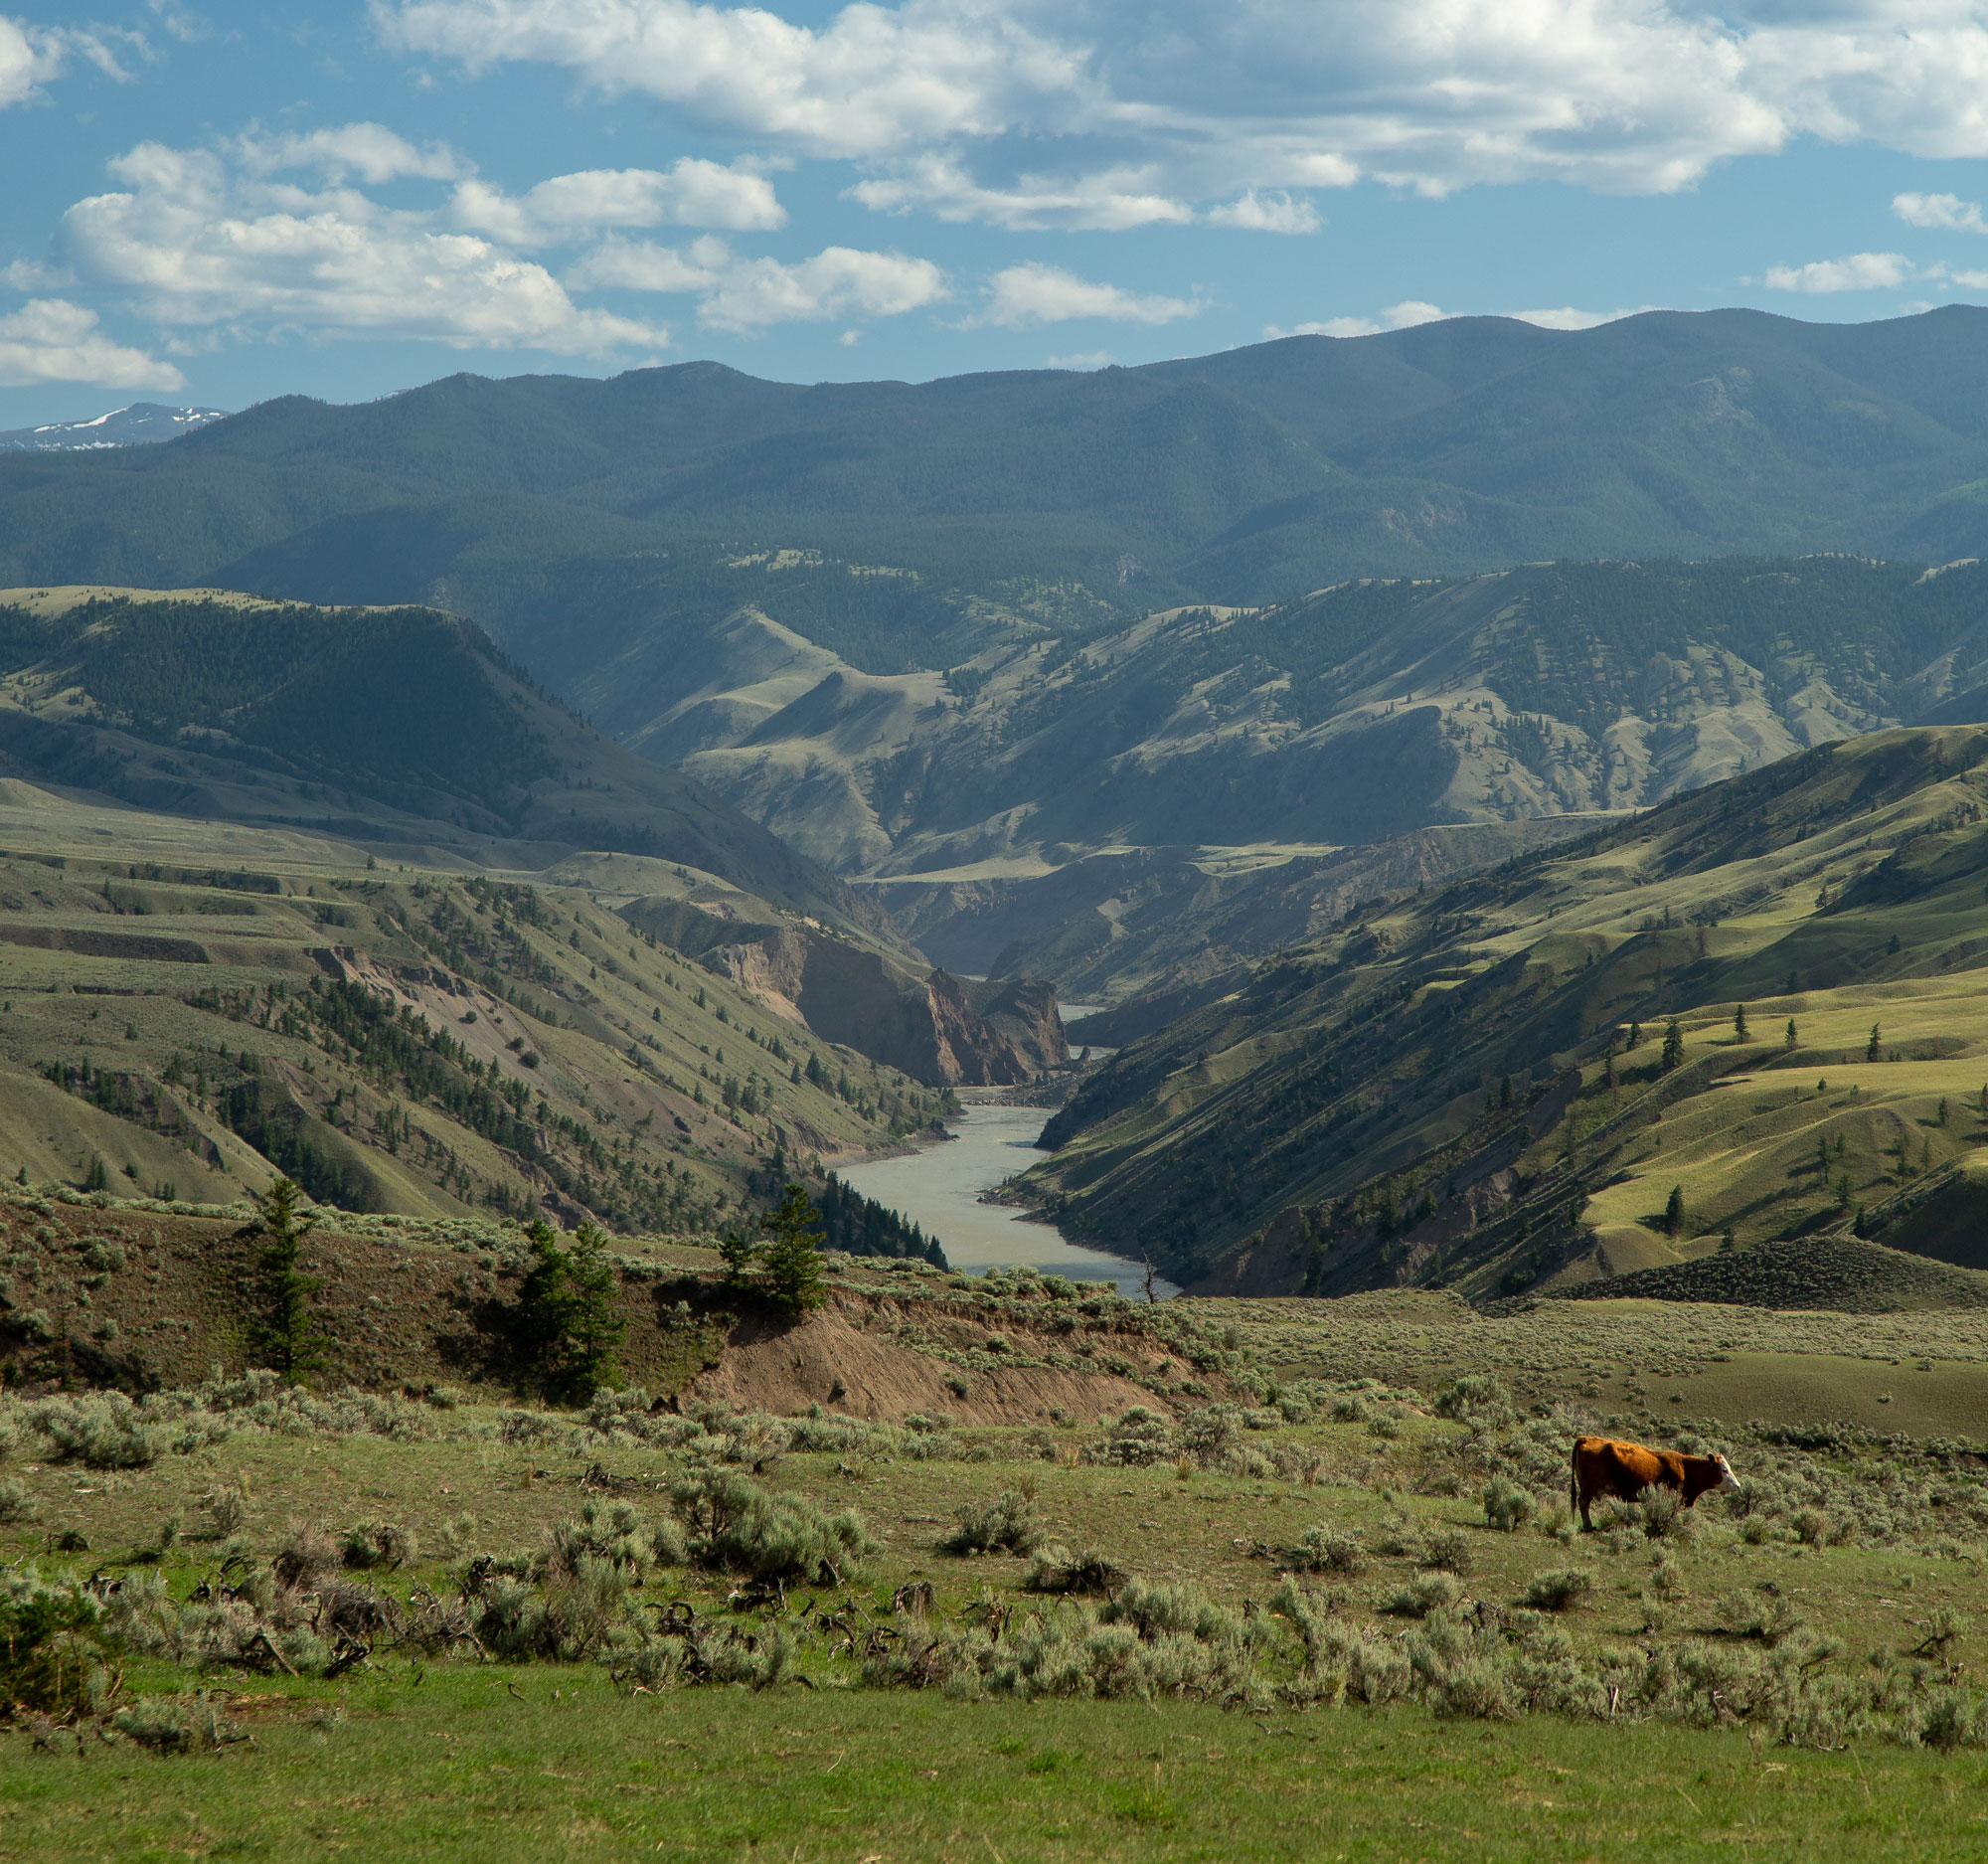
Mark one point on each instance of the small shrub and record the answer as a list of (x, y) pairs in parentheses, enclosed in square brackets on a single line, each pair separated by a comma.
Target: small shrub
[(227, 1509), (1558, 1589), (1009, 1522), (1507, 1506), (16, 1504), (1324, 1549), (379, 1544), (1950, 1719), (1447, 1548), (306, 1558), (1475, 1398), (734, 1525), (1082, 1572), (1425, 1592)]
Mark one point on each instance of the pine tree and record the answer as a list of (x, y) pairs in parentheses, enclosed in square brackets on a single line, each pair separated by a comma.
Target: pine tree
[(1635, 1034), (564, 1323), (790, 1266), (286, 1330), (1789, 1041), (1738, 1022), (1871, 1047), (1673, 1054), (1674, 1212), (737, 1250)]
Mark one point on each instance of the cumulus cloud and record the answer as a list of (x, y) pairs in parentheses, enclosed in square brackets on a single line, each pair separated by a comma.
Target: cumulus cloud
[(32, 55), (1014, 111), (1857, 271), (371, 151), (570, 208), (1023, 297), (1946, 210), (1276, 210), (191, 240), (748, 295), (1402, 316), (1084, 360), (52, 340), (754, 293), (1108, 200)]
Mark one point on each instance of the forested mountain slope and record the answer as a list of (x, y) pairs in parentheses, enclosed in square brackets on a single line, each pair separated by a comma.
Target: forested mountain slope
[(567, 516), (1477, 1085), (403, 736)]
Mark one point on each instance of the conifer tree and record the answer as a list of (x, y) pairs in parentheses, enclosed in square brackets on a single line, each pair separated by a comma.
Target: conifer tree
[(286, 1330), (1674, 1212), (1738, 1022), (563, 1323), (1790, 1042), (790, 1266), (1673, 1054)]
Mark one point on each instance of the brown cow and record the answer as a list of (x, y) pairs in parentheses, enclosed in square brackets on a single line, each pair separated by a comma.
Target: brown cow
[(1605, 1465)]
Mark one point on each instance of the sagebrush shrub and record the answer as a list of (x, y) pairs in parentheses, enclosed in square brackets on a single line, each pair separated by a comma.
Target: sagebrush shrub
[(1009, 1522), (734, 1524), (379, 1544), (1557, 1589), (1425, 1592), (1507, 1506), (1324, 1549)]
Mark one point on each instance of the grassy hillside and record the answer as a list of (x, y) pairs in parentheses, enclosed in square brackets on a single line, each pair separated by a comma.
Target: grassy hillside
[(340, 893), (1132, 1592), (401, 728), (396, 1037), (1471, 1086)]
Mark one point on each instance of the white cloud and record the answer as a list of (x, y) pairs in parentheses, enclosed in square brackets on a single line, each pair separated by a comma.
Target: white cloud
[(1274, 212), (52, 340), (30, 56), (637, 266), (747, 295), (370, 151), (757, 292), (1402, 316), (1086, 360), (1026, 295), (1857, 271), (692, 193), (1109, 201), (1015, 109), (1947, 211), (190, 241)]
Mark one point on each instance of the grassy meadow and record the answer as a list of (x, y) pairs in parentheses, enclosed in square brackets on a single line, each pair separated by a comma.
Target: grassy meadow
[(1319, 1595)]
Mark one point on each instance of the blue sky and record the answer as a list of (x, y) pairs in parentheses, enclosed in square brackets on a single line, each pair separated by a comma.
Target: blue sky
[(219, 203)]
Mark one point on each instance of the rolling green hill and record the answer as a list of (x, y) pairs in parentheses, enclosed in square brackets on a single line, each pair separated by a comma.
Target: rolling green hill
[(1475, 1085)]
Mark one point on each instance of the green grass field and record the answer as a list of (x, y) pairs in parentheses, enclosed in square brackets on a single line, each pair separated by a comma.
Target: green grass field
[(1837, 1601)]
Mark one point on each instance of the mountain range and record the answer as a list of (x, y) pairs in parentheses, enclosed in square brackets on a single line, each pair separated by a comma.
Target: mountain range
[(1027, 654), (143, 424)]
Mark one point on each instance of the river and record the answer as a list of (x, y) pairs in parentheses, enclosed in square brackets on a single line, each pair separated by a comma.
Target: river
[(938, 1188)]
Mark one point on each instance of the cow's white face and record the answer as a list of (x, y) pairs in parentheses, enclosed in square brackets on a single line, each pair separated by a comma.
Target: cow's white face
[(1726, 1479)]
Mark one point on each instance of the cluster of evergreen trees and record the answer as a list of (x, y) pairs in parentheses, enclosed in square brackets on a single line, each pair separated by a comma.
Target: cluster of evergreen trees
[(862, 1227)]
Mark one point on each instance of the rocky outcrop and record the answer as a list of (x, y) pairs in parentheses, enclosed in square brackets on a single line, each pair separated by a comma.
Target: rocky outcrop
[(928, 1027), (1024, 1009)]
